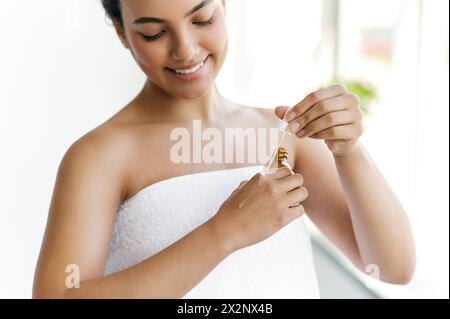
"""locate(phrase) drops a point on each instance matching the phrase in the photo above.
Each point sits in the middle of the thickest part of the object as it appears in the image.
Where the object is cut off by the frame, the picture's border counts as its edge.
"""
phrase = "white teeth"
(190, 71)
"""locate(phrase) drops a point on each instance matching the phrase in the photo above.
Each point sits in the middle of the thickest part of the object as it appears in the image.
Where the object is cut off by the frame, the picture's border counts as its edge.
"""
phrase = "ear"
(121, 34)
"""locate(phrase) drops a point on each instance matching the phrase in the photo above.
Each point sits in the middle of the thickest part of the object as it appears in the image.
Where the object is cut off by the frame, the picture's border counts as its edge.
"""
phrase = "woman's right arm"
(171, 273)
(89, 189)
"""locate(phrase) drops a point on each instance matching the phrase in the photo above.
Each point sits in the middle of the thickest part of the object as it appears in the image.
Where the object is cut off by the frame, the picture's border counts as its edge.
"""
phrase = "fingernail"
(294, 127)
(301, 133)
(291, 116)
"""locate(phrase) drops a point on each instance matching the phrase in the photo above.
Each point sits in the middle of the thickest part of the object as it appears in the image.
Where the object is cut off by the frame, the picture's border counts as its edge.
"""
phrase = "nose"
(185, 48)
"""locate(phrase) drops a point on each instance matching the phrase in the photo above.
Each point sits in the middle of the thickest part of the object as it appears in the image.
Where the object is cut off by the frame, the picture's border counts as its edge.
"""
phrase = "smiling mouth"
(191, 70)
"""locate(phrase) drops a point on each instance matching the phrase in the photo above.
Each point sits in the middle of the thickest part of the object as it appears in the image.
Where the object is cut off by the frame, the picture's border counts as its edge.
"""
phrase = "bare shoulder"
(264, 114)
(307, 148)
(309, 154)
(314, 157)
(268, 114)
(101, 141)
(257, 116)
(98, 157)
(299, 149)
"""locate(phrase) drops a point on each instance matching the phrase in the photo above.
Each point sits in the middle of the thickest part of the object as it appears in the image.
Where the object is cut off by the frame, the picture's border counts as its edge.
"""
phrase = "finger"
(280, 111)
(292, 182)
(242, 184)
(257, 179)
(340, 132)
(293, 213)
(280, 173)
(336, 104)
(326, 122)
(296, 196)
(313, 98)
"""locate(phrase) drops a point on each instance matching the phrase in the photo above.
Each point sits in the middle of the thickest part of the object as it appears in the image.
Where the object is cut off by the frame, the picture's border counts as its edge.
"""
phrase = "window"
(399, 47)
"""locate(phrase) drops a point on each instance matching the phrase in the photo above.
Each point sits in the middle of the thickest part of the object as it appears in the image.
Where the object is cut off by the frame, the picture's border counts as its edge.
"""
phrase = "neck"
(165, 107)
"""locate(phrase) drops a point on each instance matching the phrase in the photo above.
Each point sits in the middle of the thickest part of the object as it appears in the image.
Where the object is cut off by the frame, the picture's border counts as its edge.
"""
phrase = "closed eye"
(152, 37)
(157, 36)
(203, 23)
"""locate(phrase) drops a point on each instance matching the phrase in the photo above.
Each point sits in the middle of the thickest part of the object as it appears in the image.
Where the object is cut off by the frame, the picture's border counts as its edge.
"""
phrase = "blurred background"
(63, 71)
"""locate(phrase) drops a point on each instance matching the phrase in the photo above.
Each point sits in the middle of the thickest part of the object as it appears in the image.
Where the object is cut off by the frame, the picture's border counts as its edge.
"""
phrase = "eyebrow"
(158, 20)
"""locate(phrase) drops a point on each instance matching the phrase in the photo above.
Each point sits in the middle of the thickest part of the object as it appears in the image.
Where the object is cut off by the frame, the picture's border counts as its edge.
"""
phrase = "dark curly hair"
(112, 8)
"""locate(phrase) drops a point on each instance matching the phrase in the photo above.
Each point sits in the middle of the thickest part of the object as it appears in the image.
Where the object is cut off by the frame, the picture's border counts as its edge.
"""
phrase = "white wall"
(407, 132)
(62, 72)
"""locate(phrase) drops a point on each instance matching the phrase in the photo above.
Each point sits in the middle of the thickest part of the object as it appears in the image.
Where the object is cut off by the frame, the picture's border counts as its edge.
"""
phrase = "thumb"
(242, 184)
(280, 111)
(257, 179)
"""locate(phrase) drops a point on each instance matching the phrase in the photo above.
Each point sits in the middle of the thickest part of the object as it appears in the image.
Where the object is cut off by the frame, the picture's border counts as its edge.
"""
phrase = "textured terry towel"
(162, 213)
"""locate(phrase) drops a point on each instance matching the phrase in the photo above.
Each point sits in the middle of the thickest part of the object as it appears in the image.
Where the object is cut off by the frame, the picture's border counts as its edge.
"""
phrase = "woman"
(127, 221)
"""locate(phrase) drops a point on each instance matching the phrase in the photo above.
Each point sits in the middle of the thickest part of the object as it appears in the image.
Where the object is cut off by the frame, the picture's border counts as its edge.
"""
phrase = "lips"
(188, 67)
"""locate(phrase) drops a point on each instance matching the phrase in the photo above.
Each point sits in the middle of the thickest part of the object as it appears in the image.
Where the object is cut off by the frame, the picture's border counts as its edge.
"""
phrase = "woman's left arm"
(374, 217)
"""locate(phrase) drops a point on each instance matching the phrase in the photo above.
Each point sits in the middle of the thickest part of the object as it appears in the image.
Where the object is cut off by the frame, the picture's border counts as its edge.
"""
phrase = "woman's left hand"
(331, 114)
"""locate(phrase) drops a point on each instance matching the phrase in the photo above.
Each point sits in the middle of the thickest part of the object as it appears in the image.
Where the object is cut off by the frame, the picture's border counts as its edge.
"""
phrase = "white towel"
(162, 213)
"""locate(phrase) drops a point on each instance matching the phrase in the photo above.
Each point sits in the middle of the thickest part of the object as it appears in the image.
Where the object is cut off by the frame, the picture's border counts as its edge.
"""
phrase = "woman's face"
(165, 36)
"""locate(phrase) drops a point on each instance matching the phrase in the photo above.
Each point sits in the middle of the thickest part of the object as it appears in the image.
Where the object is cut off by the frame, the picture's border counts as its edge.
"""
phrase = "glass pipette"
(283, 127)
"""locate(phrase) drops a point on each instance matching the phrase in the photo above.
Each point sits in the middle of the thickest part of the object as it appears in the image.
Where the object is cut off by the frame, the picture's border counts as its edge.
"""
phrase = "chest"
(177, 151)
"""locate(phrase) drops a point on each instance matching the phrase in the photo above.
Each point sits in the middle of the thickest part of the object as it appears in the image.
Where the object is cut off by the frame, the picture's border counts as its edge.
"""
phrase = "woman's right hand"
(260, 207)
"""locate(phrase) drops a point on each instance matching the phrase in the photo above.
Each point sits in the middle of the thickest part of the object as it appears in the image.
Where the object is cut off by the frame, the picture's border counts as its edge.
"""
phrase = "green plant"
(363, 89)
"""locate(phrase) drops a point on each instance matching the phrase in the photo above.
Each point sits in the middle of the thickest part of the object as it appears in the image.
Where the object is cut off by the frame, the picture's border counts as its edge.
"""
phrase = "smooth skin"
(333, 178)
